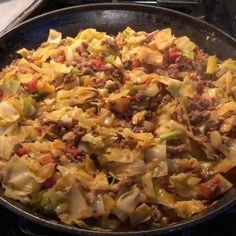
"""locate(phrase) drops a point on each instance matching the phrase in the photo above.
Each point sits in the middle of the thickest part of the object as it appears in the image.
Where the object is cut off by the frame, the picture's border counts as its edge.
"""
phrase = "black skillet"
(113, 18)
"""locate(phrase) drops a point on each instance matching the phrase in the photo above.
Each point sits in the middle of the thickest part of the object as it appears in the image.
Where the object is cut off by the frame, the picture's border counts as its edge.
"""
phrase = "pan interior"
(113, 18)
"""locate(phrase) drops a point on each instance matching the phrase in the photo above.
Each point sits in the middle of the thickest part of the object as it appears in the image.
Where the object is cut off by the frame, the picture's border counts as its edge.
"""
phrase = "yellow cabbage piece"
(229, 64)
(54, 36)
(185, 185)
(6, 146)
(148, 185)
(76, 96)
(8, 113)
(119, 170)
(142, 139)
(123, 155)
(211, 65)
(141, 214)
(163, 38)
(186, 46)
(224, 110)
(165, 198)
(225, 82)
(23, 176)
(97, 142)
(186, 209)
(128, 201)
(146, 56)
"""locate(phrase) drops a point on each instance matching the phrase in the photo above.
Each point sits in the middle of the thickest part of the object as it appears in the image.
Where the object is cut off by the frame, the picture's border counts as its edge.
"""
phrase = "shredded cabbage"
(108, 132)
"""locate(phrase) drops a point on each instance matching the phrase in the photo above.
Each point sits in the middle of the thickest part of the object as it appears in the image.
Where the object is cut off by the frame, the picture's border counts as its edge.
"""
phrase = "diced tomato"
(32, 85)
(47, 159)
(125, 79)
(136, 64)
(71, 150)
(97, 63)
(50, 182)
(173, 54)
(209, 188)
(40, 129)
(76, 186)
(215, 180)
(22, 151)
(197, 96)
(60, 59)
(206, 191)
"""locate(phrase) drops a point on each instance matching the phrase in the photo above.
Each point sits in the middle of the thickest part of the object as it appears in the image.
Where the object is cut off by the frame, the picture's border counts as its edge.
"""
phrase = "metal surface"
(113, 18)
(24, 15)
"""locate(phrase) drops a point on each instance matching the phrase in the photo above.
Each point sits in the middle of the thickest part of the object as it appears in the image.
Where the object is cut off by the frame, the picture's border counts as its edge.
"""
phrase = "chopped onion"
(97, 207)
(128, 201)
(157, 160)
(148, 185)
(140, 214)
(79, 208)
(120, 214)
(118, 63)
(158, 152)
(215, 139)
(228, 124)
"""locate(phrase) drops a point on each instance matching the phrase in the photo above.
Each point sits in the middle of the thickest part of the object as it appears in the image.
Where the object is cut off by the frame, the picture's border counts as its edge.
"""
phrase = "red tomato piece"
(47, 159)
(136, 64)
(39, 129)
(209, 188)
(173, 55)
(50, 182)
(197, 96)
(97, 63)
(60, 59)
(206, 191)
(22, 151)
(32, 85)
(125, 79)
(71, 150)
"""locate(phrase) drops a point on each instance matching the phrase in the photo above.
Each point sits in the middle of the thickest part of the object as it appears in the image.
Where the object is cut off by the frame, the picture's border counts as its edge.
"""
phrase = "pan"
(113, 18)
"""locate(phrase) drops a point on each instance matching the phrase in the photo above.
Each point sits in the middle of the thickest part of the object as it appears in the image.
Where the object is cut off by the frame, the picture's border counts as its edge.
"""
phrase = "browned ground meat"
(117, 132)
(197, 117)
(173, 150)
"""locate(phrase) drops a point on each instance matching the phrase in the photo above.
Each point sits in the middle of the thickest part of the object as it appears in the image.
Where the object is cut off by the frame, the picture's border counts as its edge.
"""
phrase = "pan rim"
(116, 6)
(75, 230)
(87, 232)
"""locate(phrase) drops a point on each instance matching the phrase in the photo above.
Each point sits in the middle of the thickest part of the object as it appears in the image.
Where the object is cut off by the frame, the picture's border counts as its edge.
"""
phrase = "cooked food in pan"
(117, 132)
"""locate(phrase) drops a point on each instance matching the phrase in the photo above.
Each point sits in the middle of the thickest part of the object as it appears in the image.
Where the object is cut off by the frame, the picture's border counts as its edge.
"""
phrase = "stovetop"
(221, 13)
(214, 12)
